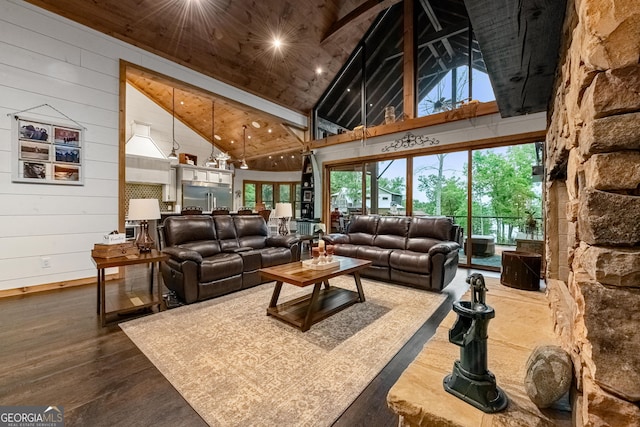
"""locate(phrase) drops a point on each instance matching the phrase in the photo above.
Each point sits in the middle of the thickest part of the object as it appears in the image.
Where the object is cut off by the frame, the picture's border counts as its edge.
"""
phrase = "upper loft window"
(351, 101)
(450, 69)
(341, 109)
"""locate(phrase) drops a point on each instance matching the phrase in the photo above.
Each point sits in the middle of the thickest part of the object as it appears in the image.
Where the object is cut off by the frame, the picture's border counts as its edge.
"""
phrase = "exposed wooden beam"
(484, 108)
(366, 10)
(436, 37)
(409, 71)
(295, 132)
(520, 43)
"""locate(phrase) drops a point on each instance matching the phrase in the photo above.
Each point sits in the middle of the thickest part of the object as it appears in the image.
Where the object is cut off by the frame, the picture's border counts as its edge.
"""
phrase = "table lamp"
(144, 210)
(283, 212)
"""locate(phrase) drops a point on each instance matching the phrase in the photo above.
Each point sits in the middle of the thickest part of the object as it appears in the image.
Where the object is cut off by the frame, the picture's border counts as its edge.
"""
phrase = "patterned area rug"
(236, 366)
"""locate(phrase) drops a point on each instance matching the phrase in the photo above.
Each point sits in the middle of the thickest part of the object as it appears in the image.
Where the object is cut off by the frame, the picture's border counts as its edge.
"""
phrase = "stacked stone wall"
(593, 143)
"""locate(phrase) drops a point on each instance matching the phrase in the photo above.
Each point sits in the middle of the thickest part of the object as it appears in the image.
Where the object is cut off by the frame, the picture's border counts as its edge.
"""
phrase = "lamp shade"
(143, 209)
(283, 210)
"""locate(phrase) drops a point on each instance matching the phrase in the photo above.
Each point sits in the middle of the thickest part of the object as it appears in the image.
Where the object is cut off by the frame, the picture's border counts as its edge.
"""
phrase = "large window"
(386, 187)
(376, 64)
(270, 193)
(449, 69)
(440, 185)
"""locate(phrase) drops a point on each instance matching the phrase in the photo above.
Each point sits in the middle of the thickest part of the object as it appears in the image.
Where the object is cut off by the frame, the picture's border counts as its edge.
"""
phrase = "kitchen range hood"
(140, 143)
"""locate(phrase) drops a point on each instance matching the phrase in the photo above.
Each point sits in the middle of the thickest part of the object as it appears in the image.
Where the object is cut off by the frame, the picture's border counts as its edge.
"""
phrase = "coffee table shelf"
(330, 301)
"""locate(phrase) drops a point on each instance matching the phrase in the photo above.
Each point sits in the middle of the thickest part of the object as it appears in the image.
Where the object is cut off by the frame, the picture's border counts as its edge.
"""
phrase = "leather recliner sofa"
(420, 252)
(215, 255)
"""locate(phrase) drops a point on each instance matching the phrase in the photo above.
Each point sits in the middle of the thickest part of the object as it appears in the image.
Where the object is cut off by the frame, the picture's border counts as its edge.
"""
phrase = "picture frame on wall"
(307, 196)
(46, 152)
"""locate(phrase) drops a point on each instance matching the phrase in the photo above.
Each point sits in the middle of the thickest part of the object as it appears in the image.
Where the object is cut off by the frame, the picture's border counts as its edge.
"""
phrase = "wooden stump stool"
(521, 270)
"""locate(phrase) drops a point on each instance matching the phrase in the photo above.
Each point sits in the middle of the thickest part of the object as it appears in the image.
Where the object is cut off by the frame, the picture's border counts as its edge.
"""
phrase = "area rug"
(236, 366)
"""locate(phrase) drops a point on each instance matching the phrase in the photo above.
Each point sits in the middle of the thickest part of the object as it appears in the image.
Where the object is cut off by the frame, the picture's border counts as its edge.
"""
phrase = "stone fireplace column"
(593, 150)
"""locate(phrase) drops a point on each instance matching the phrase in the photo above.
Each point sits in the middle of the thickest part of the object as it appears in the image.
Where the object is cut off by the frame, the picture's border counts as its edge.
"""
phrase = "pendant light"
(212, 162)
(174, 143)
(243, 164)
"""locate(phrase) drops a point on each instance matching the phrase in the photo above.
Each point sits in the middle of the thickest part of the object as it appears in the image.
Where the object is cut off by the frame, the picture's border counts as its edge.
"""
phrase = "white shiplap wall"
(45, 58)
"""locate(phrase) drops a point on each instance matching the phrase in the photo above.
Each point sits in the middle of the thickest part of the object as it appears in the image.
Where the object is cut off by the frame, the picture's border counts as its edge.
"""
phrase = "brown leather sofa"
(216, 255)
(421, 252)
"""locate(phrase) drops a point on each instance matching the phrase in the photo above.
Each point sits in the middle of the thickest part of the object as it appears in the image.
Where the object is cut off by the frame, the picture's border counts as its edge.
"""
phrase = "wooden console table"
(129, 301)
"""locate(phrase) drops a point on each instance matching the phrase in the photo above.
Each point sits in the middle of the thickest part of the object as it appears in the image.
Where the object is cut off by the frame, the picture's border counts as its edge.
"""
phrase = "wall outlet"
(45, 262)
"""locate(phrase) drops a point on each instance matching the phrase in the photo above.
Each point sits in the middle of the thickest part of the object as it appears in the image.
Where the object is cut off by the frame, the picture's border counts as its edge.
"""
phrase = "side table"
(137, 301)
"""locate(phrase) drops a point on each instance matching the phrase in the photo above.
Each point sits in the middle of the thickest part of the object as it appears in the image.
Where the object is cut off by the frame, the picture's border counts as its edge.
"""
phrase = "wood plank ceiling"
(231, 40)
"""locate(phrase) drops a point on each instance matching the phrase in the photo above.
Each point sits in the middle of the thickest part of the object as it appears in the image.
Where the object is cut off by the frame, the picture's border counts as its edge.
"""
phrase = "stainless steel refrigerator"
(206, 195)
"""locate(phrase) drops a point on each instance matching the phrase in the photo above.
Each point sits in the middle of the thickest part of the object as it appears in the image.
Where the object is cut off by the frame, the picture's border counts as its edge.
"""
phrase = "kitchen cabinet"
(169, 190)
(193, 174)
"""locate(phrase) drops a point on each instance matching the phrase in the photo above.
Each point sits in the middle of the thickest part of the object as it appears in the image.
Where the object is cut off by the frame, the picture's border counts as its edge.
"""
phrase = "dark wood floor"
(54, 352)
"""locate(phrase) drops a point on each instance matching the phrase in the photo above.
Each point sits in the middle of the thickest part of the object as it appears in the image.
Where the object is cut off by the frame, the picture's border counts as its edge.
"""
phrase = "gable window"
(449, 69)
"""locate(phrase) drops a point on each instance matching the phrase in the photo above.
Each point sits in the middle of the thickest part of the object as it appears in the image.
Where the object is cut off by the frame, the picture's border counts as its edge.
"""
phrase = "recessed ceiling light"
(249, 136)
(293, 157)
(277, 43)
(217, 137)
(348, 90)
(255, 125)
(370, 105)
(269, 130)
(181, 102)
(269, 156)
(282, 157)
(232, 141)
(318, 70)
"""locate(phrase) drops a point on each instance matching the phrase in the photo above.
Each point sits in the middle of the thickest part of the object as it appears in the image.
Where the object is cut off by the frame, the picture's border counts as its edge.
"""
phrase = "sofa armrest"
(282, 241)
(443, 248)
(332, 239)
(180, 254)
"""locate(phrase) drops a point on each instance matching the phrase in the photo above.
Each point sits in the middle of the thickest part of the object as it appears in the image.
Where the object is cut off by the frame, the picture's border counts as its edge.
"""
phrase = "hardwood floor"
(53, 351)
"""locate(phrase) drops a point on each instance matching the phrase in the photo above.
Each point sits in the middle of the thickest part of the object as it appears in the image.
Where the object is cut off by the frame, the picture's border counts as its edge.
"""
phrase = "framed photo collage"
(47, 153)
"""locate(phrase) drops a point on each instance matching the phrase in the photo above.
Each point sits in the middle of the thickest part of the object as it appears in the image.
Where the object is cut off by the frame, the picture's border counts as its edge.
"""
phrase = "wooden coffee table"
(307, 310)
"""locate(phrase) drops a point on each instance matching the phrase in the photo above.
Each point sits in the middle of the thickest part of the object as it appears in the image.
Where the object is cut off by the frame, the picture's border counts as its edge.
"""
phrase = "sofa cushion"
(220, 266)
(424, 232)
(439, 228)
(378, 256)
(205, 248)
(252, 259)
(181, 229)
(362, 229)
(226, 232)
(414, 262)
(346, 249)
(252, 231)
(275, 256)
(392, 232)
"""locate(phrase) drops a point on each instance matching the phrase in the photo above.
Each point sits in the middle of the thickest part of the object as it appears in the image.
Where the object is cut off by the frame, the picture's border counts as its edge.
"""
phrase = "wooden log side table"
(129, 302)
(521, 270)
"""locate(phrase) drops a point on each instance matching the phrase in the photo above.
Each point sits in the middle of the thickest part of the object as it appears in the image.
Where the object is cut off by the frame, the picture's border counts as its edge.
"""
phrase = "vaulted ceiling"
(232, 41)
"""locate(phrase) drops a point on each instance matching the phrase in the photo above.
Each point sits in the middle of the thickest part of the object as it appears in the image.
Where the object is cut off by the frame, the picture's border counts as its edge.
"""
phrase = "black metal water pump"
(470, 380)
